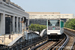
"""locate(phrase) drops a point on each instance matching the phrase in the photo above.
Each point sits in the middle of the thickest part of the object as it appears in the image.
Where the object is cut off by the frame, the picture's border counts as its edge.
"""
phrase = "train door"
(7, 25)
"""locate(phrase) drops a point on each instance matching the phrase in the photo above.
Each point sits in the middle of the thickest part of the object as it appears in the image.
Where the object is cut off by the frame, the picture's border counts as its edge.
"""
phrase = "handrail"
(10, 44)
(69, 29)
(41, 34)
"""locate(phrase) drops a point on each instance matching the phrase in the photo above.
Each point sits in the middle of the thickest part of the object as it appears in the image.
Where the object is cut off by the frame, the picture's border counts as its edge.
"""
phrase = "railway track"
(71, 43)
(58, 44)
(45, 46)
(35, 44)
(51, 45)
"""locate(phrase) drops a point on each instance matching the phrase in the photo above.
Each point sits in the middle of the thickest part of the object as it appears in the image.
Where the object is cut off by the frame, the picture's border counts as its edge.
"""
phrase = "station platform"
(7, 39)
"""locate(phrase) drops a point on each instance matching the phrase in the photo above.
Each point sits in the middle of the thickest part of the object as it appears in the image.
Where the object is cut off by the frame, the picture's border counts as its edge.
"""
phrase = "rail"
(64, 44)
(38, 45)
(51, 46)
(71, 32)
(58, 44)
(73, 44)
(55, 45)
(61, 45)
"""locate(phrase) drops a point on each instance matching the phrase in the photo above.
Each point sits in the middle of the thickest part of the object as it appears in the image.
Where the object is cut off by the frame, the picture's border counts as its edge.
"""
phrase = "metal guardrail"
(64, 44)
(73, 44)
(70, 33)
(42, 32)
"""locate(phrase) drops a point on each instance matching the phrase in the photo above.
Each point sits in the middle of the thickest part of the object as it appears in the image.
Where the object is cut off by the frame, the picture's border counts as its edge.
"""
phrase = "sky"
(62, 6)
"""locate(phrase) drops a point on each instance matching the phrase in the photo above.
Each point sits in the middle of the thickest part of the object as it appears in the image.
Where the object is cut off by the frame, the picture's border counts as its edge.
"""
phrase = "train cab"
(55, 27)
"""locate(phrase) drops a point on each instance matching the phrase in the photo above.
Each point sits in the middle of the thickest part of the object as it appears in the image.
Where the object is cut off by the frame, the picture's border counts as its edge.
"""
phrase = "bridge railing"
(71, 30)
(43, 32)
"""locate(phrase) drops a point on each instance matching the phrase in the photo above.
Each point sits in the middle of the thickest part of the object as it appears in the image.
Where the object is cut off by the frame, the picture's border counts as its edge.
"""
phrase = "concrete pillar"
(20, 25)
(17, 24)
(13, 24)
(3, 23)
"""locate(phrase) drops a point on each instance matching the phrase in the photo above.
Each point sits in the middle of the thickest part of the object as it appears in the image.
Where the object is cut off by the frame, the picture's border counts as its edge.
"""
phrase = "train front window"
(53, 22)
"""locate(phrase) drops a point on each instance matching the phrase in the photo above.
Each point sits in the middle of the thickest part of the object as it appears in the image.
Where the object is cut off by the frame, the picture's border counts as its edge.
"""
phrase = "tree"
(37, 27)
(70, 24)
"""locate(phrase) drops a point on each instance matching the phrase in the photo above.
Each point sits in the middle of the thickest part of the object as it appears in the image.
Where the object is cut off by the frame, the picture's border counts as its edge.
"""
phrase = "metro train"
(55, 28)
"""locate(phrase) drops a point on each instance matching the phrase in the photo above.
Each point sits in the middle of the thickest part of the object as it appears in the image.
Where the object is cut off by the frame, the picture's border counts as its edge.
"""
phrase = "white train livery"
(55, 27)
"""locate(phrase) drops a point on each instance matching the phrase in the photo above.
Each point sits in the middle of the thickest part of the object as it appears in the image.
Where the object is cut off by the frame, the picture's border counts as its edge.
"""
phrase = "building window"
(4, 0)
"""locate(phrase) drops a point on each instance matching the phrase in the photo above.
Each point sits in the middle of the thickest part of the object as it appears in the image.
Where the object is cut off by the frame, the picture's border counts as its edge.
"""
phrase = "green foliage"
(70, 24)
(37, 27)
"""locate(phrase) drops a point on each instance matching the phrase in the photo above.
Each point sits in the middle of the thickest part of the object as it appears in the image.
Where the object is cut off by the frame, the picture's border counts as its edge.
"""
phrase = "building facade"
(41, 17)
(11, 17)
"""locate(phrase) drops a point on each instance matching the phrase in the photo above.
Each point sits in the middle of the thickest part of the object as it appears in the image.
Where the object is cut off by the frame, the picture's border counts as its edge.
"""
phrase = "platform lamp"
(23, 26)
